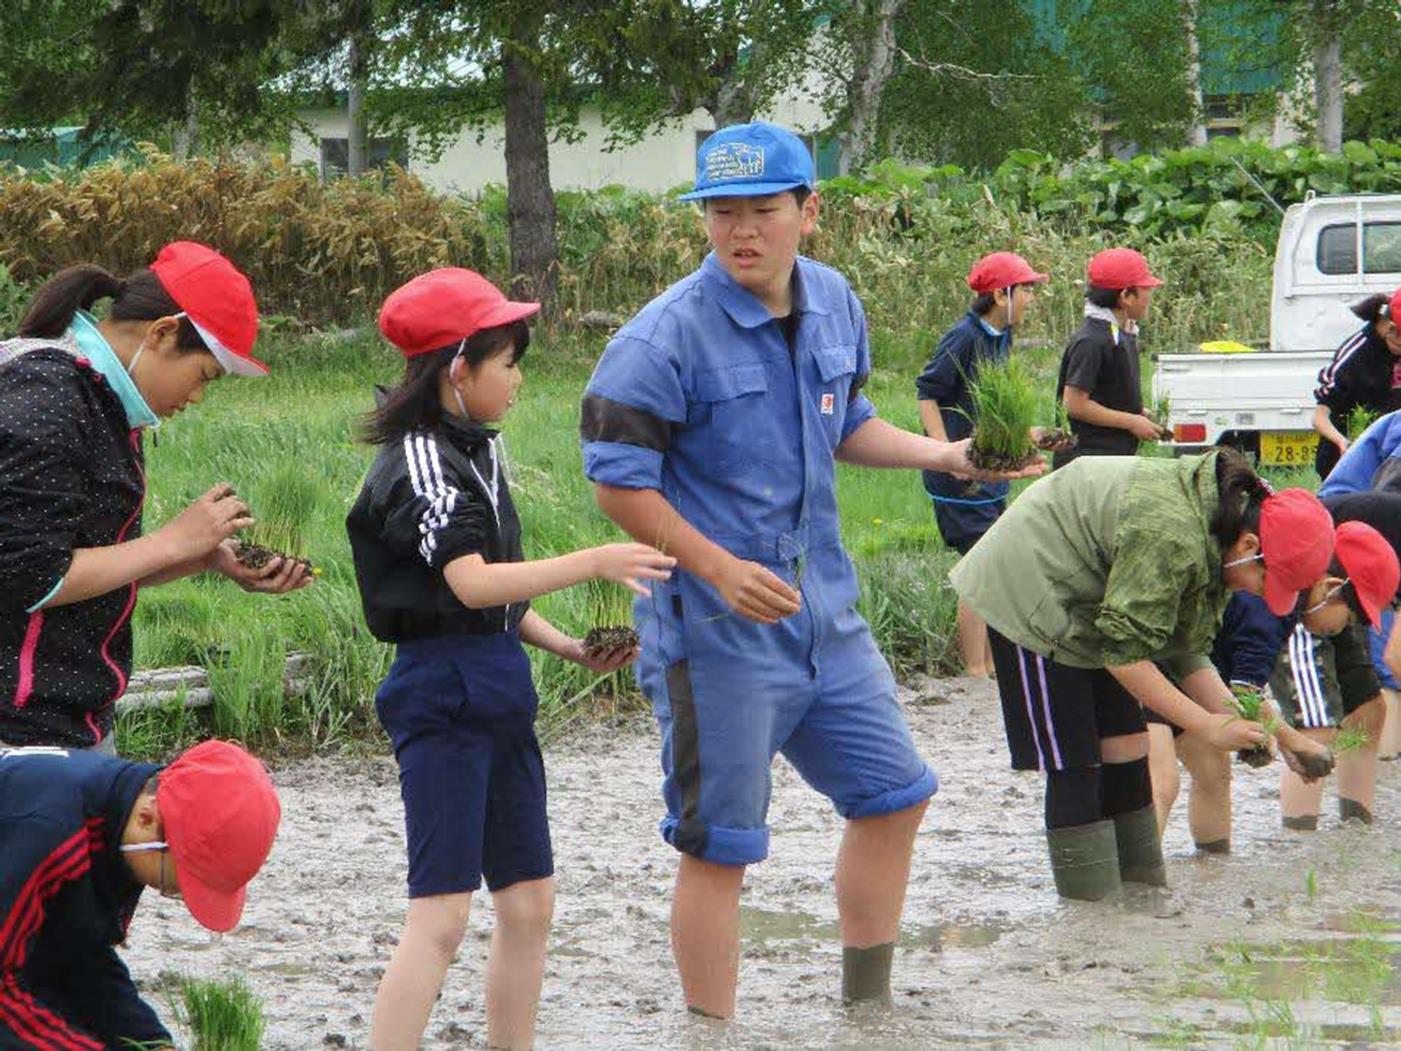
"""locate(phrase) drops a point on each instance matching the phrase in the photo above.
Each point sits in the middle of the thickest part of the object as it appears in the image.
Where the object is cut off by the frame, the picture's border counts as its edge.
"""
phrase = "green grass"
(220, 1016)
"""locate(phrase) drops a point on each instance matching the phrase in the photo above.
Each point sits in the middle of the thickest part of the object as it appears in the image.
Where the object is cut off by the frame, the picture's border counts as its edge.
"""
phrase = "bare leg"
(1390, 745)
(705, 934)
(1300, 800)
(1209, 803)
(1357, 770)
(873, 871)
(516, 966)
(973, 642)
(432, 933)
(1163, 769)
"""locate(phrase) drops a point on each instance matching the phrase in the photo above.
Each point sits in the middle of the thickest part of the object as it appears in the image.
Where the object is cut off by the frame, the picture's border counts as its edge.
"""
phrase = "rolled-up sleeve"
(42, 491)
(632, 405)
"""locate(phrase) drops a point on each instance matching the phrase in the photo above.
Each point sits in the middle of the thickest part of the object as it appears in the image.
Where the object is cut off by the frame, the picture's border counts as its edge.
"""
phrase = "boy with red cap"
(438, 558)
(76, 396)
(84, 834)
(1365, 374)
(1003, 284)
(1094, 578)
(1099, 381)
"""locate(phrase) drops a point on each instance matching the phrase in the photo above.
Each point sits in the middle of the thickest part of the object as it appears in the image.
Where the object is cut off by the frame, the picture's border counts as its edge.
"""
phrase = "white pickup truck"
(1332, 252)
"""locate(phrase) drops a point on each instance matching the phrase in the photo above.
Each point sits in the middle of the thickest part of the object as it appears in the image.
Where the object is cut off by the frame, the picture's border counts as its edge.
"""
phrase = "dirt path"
(988, 957)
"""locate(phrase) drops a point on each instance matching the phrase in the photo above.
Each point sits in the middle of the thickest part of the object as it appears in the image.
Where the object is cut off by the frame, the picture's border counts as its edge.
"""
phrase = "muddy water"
(988, 957)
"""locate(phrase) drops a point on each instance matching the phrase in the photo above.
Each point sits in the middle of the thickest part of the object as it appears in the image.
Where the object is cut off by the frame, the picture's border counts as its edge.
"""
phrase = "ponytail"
(1371, 308)
(138, 297)
(1243, 493)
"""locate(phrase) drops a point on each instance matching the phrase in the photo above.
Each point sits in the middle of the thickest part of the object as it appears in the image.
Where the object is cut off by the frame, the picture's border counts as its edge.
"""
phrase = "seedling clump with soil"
(1249, 703)
(282, 505)
(1005, 401)
(609, 640)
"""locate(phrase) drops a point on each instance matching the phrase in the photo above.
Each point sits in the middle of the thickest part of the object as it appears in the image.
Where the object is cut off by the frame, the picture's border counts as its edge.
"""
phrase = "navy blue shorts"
(460, 711)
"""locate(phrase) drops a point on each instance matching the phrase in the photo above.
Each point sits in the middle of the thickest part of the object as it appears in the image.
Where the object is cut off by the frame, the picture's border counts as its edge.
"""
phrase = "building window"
(335, 155)
(1381, 248)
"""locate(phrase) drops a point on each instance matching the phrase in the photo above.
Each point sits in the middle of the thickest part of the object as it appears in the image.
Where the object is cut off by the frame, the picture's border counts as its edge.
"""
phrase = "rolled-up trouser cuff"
(723, 846)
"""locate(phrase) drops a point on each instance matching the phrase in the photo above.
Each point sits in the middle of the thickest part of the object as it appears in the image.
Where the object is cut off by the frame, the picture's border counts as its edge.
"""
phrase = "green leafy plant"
(1359, 420)
(1005, 406)
(220, 1016)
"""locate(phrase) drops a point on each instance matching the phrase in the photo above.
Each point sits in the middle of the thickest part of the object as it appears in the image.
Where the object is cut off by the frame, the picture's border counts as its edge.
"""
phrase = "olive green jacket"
(1107, 561)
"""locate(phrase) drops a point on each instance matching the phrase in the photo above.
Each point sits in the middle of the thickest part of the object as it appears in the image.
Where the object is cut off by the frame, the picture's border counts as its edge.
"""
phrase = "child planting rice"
(1094, 577)
(1363, 379)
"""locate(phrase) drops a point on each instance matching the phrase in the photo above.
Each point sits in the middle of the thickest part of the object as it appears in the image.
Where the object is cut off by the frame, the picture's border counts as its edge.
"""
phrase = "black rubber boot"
(866, 974)
(1140, 851)
(1085, 860)
(1352, 810)
(1302, 823)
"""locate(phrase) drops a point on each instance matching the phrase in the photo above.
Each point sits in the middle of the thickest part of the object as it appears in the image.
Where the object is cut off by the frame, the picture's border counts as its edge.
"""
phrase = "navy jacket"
(66, 898)
(1250, 640)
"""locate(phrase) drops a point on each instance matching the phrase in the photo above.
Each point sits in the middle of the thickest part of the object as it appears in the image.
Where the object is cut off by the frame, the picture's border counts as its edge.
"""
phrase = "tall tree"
(1196, 127)
(861, 41)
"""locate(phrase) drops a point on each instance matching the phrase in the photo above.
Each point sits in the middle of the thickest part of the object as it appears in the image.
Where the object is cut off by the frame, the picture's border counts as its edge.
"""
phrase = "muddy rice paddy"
(1288, 940)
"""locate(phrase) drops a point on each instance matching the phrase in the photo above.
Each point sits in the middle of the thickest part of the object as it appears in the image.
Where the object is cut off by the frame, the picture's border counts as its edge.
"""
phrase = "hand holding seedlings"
(273, 575)
(605, 650)
(1053, 439)
(215, 517)
(1249, 705)
(630, 564)
(1144, 428)
(755, 593)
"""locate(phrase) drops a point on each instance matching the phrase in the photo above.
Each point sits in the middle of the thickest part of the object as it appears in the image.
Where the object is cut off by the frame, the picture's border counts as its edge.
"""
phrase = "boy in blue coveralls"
(81, 836)
(1003, 286)
(710, 428)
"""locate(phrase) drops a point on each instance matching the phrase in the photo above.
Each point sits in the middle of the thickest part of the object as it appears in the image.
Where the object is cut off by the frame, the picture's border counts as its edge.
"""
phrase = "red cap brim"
(1147, 282)
(214, 909)
(1281, 598)
(508, 312)
(1373, 611)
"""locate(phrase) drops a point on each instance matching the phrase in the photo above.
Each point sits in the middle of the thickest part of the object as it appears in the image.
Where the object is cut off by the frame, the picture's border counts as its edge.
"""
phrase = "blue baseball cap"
(751, 160)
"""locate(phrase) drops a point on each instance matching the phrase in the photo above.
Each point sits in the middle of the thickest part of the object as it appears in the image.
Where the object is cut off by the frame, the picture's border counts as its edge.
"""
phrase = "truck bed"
(1246, 392)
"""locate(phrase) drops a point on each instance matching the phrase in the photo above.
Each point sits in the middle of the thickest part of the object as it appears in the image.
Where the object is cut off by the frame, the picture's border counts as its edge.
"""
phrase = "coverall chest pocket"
(836, 368)
(733, 411)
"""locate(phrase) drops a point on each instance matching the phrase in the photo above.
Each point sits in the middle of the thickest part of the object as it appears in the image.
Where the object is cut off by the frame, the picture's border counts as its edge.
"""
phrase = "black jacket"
(1106, 368)
(427, 500)
(71, 476)
(66, 899)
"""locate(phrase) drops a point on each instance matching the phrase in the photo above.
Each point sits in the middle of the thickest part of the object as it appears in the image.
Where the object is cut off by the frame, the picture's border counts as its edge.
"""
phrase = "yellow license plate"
(1287, 448)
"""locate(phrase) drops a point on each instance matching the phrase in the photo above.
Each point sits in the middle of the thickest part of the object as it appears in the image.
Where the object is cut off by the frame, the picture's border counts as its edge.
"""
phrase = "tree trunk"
(530, 201)
(184, 139)
(1196, 131)
(1328, 79)
(734, 102)
(873, 57)
(357, 133)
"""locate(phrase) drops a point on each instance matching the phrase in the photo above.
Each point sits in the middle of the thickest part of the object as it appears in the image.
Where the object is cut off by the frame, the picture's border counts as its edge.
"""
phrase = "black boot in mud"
(866, 974)
(1301, 822)
(1085, 860)
(1140, 850)
(1352, 810)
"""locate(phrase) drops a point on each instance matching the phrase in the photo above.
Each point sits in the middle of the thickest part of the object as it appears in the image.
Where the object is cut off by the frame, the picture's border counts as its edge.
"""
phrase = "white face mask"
(1326, 599)
(1240, 561)
(131, 365)
(455, 392)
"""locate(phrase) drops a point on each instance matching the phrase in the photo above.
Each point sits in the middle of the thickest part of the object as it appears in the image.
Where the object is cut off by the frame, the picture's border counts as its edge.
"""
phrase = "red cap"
(1393, 308)
(1119, 268)
(1002, 270)
(1296, 543)
(217, 299)
(443, 307)
(1371, 566)
(220, 814)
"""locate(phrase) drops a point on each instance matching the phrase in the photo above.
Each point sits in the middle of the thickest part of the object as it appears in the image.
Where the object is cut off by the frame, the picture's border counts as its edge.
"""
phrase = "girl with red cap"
(437, 547)
(1365, 373)
(76, 396)
(1099, 375)
(1003, 284)
(1098, 578)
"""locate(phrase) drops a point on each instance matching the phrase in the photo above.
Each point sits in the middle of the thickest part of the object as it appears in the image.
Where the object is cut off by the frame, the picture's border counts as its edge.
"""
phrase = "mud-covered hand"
(1310, 760)
(600, 662)
(277, 576)
(956, 463)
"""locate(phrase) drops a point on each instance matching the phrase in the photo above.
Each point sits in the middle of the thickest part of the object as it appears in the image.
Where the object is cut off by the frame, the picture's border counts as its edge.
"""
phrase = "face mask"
(131, 365)
(1240, 561)
(1326, 599)
(455, 392)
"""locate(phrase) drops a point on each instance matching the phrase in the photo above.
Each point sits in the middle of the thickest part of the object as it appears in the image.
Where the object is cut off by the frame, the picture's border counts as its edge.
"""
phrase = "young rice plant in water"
(220, 1016)
(1005, 400)
(1249, 703)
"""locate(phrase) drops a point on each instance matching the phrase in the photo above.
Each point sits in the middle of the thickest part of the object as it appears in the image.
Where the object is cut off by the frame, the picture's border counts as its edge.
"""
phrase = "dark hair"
(982, 303)
(1349, 591)
(414, 402)
(1104, 297)
(1242, 493)
(1370, 309)
(136, 297)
